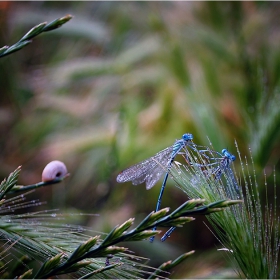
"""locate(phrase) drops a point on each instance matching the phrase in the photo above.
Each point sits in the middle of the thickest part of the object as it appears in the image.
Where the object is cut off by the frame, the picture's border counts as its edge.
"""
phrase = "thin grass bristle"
(249, 232)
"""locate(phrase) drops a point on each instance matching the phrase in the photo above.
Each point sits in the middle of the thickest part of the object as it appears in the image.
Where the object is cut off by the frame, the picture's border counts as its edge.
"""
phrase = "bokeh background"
(123, 80)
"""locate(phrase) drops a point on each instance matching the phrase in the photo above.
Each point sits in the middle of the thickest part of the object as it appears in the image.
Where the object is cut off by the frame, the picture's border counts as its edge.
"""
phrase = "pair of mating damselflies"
(151, 169)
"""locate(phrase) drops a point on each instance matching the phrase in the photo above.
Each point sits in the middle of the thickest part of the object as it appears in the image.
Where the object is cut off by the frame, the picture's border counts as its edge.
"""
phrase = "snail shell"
(54, 170)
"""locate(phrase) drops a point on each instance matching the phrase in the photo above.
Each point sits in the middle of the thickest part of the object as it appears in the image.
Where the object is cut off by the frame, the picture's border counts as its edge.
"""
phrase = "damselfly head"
(227, 154)
(187, 136)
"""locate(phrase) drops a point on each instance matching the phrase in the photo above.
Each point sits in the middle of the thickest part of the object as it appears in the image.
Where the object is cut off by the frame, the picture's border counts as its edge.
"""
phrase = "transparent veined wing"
(149, 170)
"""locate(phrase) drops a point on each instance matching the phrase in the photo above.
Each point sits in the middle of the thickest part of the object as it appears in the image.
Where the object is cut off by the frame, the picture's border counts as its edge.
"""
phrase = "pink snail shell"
(54, 170)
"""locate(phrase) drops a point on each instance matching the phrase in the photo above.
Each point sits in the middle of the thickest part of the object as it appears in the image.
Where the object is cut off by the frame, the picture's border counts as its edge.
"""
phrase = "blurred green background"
(123, 80)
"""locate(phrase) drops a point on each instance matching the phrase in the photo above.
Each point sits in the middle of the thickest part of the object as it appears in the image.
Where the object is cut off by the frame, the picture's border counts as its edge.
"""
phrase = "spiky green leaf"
(83, 248)
(145, 234)
(49, 265)
(8, 183)
(76, 266)
(26, 275)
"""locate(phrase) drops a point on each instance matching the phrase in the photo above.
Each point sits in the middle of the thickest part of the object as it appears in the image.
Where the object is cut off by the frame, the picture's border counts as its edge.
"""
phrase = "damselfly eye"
(228, 154)
(224, 152)
(187, 136)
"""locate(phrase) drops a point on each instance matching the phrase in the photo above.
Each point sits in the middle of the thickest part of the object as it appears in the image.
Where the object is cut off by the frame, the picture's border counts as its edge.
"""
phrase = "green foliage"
(249, 236)
(35, 31)
(171, 264)
(51, 244)
(58, 249)
(7, 185)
